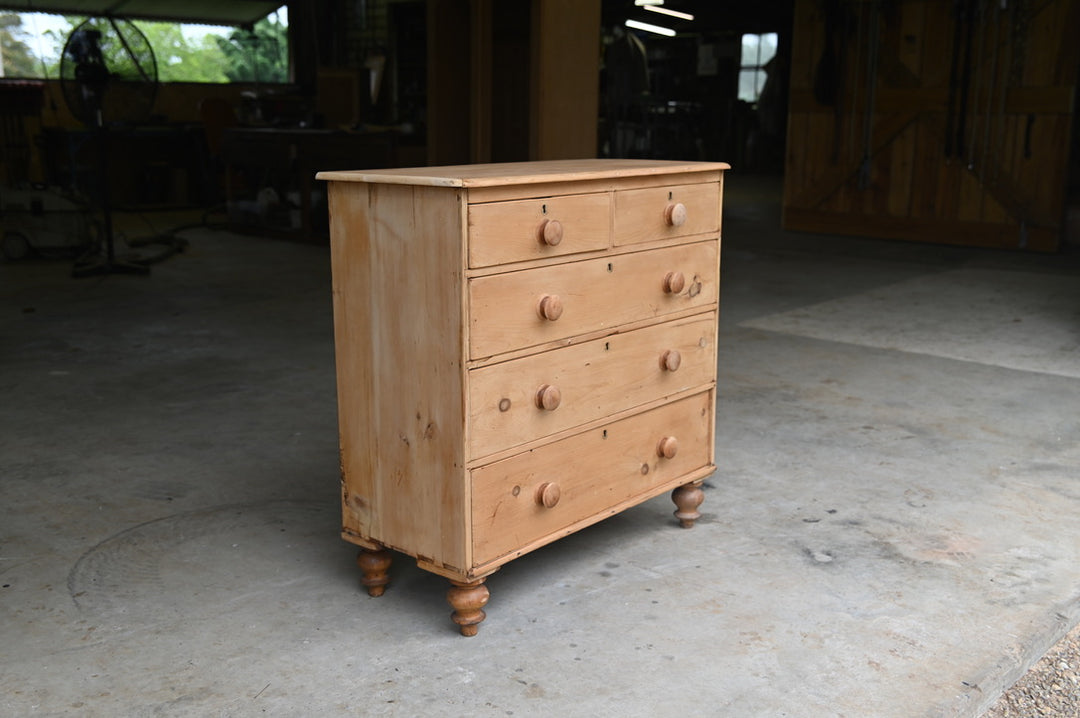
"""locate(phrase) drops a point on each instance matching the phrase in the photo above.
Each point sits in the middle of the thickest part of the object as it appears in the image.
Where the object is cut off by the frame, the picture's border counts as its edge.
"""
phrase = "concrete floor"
(893, 530)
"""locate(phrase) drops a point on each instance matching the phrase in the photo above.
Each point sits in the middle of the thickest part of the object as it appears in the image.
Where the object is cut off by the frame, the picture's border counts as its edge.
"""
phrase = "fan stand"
(107, 264)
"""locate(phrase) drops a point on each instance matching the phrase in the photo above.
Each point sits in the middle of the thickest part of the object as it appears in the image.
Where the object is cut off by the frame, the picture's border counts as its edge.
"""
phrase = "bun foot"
(468, 601)
(376, 567)
(687, 498)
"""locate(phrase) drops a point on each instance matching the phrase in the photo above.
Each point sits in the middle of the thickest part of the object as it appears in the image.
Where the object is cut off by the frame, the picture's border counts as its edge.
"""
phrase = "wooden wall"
(511, 80)
(956, 130)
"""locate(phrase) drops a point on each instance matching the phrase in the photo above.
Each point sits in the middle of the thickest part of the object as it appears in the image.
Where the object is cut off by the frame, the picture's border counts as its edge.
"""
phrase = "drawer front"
(538, 395)
(503, 232)
(588, 474)
(645, 215)
(531, 307)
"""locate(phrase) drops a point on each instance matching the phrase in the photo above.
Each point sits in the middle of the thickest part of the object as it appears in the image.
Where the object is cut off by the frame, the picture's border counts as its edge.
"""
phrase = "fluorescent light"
(666, 31)
(665, 11)
(641, 3)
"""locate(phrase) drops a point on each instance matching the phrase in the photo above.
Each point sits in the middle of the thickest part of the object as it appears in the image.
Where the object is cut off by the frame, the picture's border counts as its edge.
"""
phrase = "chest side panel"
(397, 253)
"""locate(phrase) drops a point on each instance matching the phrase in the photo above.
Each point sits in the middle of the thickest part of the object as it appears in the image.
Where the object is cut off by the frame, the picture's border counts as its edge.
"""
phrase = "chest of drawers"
(522, 350)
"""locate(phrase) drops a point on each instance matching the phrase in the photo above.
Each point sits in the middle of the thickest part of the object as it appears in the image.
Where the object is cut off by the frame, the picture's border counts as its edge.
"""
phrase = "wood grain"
(523, 173)
(595, 293)
(595, 470)
(397, 262)
(595, 379)
(640, 214)
(502, 232)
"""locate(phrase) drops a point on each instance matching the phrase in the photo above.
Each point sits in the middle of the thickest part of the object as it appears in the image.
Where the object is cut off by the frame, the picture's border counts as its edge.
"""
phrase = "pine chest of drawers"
(522, 350)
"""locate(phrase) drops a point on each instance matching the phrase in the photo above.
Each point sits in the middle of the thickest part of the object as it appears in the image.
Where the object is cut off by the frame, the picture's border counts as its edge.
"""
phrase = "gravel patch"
(1050, 689)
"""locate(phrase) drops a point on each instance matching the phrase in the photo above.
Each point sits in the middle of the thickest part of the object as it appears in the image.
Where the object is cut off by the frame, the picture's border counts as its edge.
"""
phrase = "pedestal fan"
(108, 75)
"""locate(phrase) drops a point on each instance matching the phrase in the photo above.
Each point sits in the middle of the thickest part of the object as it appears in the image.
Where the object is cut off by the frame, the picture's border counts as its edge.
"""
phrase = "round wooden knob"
(670, 360)
(550, 307)
(668, 447)
(674, 282)
(675, 214)
(548, 397)
(548, 494)
(551, 232)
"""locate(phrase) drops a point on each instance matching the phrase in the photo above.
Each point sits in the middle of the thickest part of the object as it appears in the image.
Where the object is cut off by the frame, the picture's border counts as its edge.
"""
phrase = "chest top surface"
(488, 175)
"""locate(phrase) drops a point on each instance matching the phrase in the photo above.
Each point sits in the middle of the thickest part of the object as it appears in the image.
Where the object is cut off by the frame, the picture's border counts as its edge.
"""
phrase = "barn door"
(932, 120)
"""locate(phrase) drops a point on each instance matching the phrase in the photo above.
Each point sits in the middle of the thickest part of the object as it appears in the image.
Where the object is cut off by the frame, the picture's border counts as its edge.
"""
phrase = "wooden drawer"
(645, 215)
(505, 310)
(593, 471)
(504, 232)
(590, 381)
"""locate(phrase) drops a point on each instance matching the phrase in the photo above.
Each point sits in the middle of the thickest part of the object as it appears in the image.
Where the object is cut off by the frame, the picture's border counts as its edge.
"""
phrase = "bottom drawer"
(536, 494)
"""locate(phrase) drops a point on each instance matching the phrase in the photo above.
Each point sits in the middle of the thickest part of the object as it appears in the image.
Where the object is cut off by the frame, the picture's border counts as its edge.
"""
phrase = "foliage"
(180, 60)
(261, 55)
(16, 59)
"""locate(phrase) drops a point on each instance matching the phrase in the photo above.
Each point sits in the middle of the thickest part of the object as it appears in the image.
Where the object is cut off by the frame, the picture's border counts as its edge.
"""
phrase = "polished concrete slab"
(893, 529)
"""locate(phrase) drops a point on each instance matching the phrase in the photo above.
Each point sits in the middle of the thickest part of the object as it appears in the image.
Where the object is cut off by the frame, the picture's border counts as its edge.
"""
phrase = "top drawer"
(503, 232)
(645, 215)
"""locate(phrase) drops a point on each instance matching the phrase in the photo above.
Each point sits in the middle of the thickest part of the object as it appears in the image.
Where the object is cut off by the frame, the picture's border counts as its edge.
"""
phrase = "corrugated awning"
(208, 12)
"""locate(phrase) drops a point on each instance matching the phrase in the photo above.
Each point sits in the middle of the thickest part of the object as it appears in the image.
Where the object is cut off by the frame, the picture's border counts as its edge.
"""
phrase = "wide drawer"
(538, 395)
(645, 215)
(585, 475)
(504, 232)
(531, 307)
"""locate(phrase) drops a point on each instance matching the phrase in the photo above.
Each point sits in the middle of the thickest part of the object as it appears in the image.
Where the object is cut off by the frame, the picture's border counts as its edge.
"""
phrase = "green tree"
(179, 60)
(16, 59)
(258, 55)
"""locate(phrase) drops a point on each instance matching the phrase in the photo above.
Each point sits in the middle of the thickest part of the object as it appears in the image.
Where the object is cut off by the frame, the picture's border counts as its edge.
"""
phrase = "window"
(31, 43)
(757, 50)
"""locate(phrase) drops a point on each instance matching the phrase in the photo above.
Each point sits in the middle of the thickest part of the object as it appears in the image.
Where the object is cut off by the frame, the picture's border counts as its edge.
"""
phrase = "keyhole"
(605, 433)
(670, 195)
(543, 208)
(609, 266)
(607, 346)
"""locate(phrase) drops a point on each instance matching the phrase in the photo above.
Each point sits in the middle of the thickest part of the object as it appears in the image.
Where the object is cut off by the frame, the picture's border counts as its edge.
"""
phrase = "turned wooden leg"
(375, 565)
(468, 600)
(687, 498)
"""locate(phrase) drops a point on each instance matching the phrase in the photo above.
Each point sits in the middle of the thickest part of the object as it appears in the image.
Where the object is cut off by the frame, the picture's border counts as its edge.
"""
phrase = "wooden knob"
(674, 282)
(668, 447)
(548, 397)
(550, 307)
(548, 494)
(551, 232)
(675, 214)
(670, 360)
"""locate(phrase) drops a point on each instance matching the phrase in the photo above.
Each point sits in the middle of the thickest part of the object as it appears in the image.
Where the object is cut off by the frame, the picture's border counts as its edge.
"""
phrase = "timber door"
(932, 120)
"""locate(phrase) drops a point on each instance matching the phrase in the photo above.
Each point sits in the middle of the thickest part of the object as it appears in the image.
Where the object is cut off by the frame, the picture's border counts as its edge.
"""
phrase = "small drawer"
(540, 493)
(527, 308)
(541, 394)
(504, 232)
(646, 215)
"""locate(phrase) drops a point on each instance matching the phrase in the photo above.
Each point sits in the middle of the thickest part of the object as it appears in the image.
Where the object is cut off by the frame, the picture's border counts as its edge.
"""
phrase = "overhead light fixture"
(665, 31)
(644, 3)
(665, 11)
